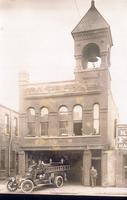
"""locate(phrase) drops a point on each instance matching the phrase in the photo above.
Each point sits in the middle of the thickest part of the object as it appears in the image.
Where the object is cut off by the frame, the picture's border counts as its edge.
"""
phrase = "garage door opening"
(73, 158)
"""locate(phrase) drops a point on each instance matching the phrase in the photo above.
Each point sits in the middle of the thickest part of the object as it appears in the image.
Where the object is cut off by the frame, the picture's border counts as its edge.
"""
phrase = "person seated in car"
(39, 166)
(50, 161)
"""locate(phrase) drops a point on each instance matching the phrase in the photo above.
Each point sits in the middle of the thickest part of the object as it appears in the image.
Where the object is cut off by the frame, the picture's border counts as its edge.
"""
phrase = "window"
(31, 128)
(44, 112)
(15, 126)
(44, 128)
(77, 120)
(3, 159)
(12, 160)
(44, 121)
(31, 111)
(63, 120)
(96, 119)
(31, 121)
(7, 124)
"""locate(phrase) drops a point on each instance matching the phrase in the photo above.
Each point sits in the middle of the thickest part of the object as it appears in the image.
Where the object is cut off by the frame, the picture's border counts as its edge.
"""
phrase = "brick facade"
(91, 137)
(9, 141)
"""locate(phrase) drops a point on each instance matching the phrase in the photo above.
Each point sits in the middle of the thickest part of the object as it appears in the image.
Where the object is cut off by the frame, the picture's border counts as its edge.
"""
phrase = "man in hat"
(93, 176)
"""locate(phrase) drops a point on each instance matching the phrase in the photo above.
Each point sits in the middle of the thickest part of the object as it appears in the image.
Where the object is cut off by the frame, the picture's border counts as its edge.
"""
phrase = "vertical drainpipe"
(9, 146)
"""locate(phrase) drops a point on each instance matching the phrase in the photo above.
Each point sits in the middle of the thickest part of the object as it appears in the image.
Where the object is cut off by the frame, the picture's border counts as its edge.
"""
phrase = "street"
(72, 189)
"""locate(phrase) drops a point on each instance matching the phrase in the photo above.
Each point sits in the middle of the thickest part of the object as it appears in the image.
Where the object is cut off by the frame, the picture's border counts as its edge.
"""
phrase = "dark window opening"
(78, 128)
(13, 160)
(15, 127)
(125, 173)
(3, 159)
(96, 153)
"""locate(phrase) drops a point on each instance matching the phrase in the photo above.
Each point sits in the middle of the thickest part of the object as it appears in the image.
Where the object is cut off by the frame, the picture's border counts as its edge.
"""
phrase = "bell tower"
(93, 42)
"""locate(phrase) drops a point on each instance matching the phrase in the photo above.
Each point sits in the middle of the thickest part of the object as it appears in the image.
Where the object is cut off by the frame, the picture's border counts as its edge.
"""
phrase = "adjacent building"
(9, 141)
(121, 155)
(74, 120)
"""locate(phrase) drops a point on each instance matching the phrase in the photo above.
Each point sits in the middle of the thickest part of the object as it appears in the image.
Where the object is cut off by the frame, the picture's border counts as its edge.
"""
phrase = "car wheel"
(12, 187)
(58, 181)
(27, 186)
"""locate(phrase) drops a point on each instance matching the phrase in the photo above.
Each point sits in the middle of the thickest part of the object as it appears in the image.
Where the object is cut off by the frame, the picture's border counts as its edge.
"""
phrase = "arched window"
(7, 124)
(44, 121)
(96, 119)
(31, 121)
(77, 120)
(15, 126)
(63, 120)
(31, 111)
(44, 112)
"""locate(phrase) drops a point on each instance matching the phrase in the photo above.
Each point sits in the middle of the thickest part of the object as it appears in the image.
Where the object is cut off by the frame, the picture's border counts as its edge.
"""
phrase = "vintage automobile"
(14, 183)
(49, 174)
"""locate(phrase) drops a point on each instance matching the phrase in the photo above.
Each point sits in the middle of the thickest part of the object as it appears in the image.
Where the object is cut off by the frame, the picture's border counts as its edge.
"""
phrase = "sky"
(35, 36)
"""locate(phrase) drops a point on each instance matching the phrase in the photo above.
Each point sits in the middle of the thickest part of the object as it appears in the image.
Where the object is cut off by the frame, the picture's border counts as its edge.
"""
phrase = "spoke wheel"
(58, 181)
(12, 186)
(27, 186)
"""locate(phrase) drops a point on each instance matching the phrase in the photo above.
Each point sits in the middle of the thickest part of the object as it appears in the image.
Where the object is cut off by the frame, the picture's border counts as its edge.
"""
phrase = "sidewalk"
(72, 189)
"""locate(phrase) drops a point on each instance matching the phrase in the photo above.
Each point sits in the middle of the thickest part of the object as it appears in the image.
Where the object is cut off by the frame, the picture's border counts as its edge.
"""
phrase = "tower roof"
(92, 20)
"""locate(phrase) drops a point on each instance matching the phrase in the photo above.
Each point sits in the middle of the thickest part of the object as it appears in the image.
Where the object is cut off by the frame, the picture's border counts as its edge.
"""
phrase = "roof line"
(92, 7)
(3, 106)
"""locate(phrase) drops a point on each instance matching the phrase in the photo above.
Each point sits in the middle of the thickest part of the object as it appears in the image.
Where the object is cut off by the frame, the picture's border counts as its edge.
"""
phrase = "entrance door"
(125, 168)
(97, 164)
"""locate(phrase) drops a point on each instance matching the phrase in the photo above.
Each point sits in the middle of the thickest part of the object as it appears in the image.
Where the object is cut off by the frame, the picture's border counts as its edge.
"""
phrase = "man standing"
(93, 176)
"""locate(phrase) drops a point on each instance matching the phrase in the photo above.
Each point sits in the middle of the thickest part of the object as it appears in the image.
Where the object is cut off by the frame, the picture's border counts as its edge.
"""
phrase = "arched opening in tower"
(91, 56)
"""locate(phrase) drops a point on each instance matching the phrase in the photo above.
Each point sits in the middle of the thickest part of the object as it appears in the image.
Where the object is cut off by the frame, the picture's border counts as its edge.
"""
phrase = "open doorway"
(97, 164)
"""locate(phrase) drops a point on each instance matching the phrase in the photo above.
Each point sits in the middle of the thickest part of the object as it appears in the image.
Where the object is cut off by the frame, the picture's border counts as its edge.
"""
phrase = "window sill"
(62, 136)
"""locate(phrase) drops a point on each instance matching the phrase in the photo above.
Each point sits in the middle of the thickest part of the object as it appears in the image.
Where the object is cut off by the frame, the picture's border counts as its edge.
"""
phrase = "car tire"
(11, 186)
(58, 181)
(27, 186)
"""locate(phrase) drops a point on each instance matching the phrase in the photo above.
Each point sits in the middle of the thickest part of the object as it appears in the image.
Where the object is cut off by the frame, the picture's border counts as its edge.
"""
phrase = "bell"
(92, 59)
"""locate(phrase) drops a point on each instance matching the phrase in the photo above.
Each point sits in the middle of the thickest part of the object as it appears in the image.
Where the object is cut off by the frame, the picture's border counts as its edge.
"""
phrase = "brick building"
(74, 120)
(121, 155)
(9, 141)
